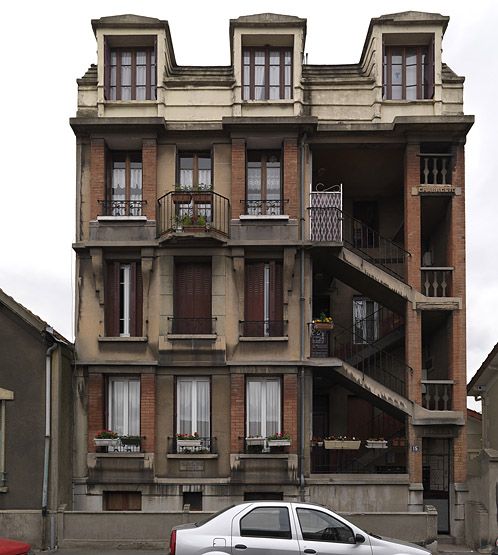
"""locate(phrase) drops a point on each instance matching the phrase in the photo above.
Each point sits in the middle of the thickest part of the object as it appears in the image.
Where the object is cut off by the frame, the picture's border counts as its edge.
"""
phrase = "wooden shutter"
(107, 70)
(276, 299)
(136, 297)
(192, 297)
(112, 299)
(430, 69)
(254, 299)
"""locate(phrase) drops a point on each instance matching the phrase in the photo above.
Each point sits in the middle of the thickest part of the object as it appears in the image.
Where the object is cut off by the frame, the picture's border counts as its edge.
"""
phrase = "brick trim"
(97, 175)
(290, 412)
(237, 413)
(148, 412)
(149, 177)
(290, 185)
(238, 176)
(96, 404)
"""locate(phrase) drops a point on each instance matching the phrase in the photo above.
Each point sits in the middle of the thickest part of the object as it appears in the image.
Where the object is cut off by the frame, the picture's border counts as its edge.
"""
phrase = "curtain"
(203, 408)
(124, 411)
(272, 407)
(193, 406)
(184, 423)
(254, 407)
(263, 406)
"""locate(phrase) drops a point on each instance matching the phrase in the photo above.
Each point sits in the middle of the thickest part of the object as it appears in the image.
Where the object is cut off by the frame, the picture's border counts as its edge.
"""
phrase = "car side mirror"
(359, 538)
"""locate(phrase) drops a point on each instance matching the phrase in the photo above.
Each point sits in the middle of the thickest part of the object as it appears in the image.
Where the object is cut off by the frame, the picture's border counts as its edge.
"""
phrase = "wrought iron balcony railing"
(437, 394)
(264, 207)
(193, 211)
(437, 281)
(263, 328)
(435, 169)
(192, 326)
(122, 207)
(197, 446)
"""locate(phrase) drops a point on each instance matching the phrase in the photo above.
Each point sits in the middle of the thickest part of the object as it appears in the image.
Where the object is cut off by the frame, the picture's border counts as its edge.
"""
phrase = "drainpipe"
(48, 422)
(302, 330)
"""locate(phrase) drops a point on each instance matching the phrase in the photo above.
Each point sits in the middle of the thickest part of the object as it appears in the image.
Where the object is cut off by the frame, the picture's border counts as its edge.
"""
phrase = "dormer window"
(131, 74)
(408, 72)
(267, 73)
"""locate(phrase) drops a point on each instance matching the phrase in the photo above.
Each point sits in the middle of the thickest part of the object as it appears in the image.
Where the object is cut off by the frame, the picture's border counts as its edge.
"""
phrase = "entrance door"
(436, 479)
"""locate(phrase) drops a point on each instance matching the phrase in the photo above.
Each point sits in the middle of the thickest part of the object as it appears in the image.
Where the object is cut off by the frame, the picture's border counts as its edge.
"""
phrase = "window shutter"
(276, 299)
(431, 70)
(254, 299)
(107, 70)
(136, 298)
(202, 297)
(112, 300)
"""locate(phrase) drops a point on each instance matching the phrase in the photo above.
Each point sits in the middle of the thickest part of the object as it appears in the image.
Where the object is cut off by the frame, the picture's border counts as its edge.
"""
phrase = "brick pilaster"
(96, 421)
(412, 216)
(291, 166)
(290, 409)
(148, 412)
(238, 176)
(97, 176)
(149, 177)
(237, 413)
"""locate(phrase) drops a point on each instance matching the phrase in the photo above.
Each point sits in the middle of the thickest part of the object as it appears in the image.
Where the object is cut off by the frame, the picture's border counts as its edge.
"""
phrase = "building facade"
(224, 216)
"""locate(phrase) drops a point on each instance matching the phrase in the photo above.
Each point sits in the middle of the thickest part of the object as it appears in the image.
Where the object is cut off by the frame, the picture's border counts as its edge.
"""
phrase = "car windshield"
(210, 517)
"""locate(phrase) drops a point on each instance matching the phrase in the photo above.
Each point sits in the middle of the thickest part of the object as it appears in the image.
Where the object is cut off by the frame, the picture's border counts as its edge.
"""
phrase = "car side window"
(320, 526)
(266, 522)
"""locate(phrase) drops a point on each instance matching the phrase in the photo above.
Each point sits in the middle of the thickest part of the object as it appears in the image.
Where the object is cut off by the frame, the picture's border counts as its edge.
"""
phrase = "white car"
(277, 527)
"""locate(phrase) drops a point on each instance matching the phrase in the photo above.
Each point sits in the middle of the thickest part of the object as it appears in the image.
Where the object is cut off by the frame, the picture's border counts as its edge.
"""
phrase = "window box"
(376, 444)
(279, 442)
(323, 326)
(131, 441)
(188, 443)
(342, 443)
(255, 441)
(104, 442)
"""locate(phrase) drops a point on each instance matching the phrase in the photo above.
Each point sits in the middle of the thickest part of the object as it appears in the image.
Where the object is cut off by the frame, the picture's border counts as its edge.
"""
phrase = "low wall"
(24, 526)
(151, 530)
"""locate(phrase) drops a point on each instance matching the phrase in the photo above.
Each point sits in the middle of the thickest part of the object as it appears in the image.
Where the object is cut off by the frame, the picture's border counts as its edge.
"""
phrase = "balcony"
(263, 329)
(122, 208)
(436, 281)
(192, 326)
(437, 394)
(184, 212)
(435, 170)
(198, 446)
(265, 208)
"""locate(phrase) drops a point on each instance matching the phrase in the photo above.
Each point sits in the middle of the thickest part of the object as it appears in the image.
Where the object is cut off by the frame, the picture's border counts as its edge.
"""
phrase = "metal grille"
(326, 224)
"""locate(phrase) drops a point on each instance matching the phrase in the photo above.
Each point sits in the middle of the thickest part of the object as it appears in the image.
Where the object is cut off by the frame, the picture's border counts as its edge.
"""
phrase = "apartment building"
(225, 215)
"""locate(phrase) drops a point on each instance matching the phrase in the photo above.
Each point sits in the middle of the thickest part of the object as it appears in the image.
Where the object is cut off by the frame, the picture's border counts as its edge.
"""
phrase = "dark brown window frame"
(127, 157)
(150, 93)
(264, 155)
(280, 377)
(175, 400)
(387, 86)
(195, 155)
(266, 49)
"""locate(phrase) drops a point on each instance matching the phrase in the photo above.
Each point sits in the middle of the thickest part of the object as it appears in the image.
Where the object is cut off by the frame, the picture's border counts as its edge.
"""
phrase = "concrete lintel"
(6, 395)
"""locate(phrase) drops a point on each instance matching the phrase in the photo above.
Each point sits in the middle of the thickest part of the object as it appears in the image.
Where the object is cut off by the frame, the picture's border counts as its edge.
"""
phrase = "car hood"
(394, 546)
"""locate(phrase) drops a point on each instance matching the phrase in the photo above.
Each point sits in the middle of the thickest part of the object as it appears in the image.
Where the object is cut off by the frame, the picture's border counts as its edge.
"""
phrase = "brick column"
(96, 403)
(413, 319)
(237, 413)
(290, 410)
(149, 177)
(97, 176)
(148, 412)
(238, 176)
(457, 343)
(290, 189)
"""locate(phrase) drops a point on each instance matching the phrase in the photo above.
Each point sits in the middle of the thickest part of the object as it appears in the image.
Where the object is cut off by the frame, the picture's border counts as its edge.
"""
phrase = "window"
(122, 500)
(263, 407)
(193, 499)
(264, 192)
(192, 297)
(408, 72)
(125, 187)
(194, 171)
(193, 406)
(320, 526)
(123, 303)
(267, 73)
(266, 522)
(365, 320)
(263, 300)
(130, 73)
(123, 410)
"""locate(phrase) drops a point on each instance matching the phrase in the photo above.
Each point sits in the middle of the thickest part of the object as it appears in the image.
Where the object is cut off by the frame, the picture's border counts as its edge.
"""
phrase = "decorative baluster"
(426, 283)
(444, 171)
(444, 283)
(437, 397)
(446, 398)
(435, 284)
(426, 171)
(434, 171)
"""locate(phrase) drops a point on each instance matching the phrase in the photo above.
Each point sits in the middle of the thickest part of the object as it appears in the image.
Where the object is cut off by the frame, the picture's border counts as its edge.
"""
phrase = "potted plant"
(323, 322)
(188, 440)
(377, 443)
(255, 440)
(106, 438)
(279, 439)
(341, 442)
(132, 441)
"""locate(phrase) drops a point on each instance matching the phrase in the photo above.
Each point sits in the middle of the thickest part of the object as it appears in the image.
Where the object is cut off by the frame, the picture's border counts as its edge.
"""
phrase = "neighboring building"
(220, 210)
(35, 424)
(482, 508)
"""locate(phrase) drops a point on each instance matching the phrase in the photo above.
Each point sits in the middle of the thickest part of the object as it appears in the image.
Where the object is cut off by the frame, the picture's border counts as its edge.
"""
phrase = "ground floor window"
(263, 407)
(124, 406)
(122, 501)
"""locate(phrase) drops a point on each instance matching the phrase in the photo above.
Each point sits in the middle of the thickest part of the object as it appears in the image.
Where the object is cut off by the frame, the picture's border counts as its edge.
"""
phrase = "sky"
(48, 45)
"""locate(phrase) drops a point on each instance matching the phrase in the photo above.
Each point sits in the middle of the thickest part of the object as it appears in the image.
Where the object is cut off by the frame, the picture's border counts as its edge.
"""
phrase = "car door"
(321, 532)
(264, 530)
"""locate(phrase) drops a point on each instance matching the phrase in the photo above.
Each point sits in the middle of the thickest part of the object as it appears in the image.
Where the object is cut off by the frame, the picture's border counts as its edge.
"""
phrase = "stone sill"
(393, 102)
(264, 339)
(262, 455)
(192, 456)
(269, 102)
(123, 339)
(130, 455)
(121, 218)
(264, 217)
(357, 479)
(190, 336)
(4, 489)
(130, 102)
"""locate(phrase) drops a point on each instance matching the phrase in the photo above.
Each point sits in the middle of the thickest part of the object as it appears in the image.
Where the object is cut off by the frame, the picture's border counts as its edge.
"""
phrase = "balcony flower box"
(376, 444)
(323, 323)
(134, 441)
(106, 442)
(188, 443)
(255, 441)
(279, 442)
(342, 443)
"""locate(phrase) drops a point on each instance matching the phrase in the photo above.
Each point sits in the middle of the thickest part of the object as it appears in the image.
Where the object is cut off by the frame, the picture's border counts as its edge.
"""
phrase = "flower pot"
(342, 443)
(255, 440)
(279, 442)
(323, 326)
(376, 444)
(105, 442)
(135, 441)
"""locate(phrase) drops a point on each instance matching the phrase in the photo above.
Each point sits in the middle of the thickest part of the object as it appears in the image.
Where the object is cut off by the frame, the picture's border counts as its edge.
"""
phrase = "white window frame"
(264, 409)
(126, 404)
(125, 294)
(194, 422)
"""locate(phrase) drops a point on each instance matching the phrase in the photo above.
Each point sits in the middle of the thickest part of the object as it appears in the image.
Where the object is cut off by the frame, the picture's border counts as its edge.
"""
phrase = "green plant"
(323, 318)
(131, 440)
(106, 434)
(186, 220)
(201, 221)
(187, 437)
(279, 435)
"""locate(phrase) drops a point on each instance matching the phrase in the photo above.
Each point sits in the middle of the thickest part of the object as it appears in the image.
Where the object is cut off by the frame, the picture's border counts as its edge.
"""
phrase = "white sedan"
(277, 527)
